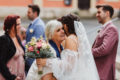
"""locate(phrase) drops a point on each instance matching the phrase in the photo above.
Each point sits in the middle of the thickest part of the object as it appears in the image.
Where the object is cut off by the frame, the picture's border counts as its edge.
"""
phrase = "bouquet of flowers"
(38, 49)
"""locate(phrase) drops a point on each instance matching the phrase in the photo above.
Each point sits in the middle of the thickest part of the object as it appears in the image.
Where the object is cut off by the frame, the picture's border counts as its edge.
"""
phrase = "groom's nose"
(97, 14)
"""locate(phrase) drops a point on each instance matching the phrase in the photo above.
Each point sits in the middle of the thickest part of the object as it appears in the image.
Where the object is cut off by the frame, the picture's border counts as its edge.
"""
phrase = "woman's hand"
(17, 78)
(41, 62)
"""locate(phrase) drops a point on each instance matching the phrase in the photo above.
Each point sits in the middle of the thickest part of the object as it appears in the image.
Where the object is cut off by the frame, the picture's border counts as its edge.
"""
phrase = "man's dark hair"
(107, 8)
(35, 8)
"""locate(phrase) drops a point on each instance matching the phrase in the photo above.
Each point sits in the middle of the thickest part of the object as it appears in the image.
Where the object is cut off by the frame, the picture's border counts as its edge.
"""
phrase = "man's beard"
(30, 18)
(101, 22)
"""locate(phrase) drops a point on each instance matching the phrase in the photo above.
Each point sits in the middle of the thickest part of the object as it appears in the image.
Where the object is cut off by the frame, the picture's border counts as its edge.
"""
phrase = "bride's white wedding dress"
(74, 65)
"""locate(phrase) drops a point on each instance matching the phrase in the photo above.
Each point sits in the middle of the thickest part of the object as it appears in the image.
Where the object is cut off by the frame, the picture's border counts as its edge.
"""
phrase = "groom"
(105, 46)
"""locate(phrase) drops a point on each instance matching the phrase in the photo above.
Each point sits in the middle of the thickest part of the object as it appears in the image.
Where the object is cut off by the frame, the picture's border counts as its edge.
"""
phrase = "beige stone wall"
(38, 2)
(56, 11)
(51, 12)
(92, 6)
(4, 11)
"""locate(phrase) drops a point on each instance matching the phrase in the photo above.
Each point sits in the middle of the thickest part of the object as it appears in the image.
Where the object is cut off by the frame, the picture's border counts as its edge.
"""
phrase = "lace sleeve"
(64, 66)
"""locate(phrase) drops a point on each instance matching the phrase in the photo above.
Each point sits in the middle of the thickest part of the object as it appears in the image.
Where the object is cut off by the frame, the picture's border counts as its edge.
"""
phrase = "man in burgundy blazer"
(105, 46)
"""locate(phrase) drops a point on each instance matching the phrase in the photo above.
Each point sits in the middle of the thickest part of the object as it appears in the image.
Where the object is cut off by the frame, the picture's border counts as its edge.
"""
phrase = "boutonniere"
(31, 30)
(98, 31)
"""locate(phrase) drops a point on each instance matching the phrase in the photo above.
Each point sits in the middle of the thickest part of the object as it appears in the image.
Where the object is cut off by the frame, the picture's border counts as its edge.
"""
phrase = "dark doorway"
(84, 4)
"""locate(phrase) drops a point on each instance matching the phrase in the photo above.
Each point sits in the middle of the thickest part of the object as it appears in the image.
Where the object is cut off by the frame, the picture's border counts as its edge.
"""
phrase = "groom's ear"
(108, 13)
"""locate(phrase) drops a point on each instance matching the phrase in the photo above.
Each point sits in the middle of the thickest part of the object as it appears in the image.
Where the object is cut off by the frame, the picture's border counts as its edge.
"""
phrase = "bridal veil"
(75, 65)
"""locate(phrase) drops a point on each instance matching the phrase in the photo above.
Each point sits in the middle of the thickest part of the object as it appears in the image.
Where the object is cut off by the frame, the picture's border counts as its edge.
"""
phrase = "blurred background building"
(55, 8)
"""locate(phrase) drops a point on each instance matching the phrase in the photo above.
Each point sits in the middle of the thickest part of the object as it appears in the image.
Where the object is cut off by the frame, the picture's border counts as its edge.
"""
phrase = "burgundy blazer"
(104, 51)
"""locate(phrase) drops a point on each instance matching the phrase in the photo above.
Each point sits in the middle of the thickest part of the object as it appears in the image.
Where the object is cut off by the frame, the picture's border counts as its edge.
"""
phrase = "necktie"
(29, 25)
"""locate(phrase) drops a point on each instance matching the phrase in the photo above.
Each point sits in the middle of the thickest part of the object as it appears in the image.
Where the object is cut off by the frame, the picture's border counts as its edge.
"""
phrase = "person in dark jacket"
(11, 51)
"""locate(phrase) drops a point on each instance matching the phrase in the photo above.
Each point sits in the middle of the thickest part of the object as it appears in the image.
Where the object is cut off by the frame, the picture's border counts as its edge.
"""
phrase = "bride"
(76, 61)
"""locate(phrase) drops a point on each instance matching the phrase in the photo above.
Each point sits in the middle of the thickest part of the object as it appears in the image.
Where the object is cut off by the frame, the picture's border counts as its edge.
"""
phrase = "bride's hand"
(41, 62)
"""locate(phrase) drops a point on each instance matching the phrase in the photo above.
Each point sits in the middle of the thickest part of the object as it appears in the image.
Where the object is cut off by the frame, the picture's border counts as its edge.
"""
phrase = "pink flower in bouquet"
(38, 49)
(39, 44)
(38, 52)
(30, 49)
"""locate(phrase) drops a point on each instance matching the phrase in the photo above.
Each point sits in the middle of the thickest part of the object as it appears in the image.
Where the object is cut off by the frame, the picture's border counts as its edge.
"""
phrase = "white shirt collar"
(34, 20)
(106, 23)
